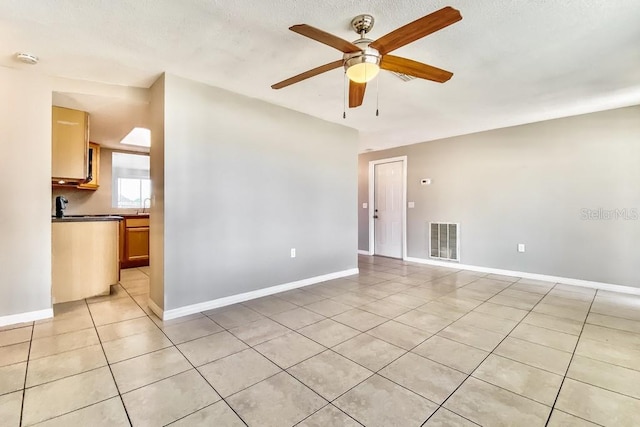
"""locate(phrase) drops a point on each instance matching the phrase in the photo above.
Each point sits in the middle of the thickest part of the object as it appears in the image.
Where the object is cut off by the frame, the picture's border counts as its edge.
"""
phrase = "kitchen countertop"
(86, 218)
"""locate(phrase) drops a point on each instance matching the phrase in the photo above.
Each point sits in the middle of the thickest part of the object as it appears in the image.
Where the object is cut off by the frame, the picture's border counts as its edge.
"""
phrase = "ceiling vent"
(404, 77)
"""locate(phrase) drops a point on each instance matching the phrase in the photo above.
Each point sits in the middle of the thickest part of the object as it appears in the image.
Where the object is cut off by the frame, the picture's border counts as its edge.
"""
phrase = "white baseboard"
(26, 317)
(154, 307)
(233, 299)
(546, 278)
(361, 252)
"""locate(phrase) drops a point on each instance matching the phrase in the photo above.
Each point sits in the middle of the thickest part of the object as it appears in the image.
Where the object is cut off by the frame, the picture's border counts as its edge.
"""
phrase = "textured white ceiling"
(514, 61)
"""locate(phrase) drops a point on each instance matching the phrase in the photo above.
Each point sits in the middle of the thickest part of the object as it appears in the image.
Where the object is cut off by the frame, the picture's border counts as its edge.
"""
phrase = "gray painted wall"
(25, 191)
(244, 182)
(528, 184)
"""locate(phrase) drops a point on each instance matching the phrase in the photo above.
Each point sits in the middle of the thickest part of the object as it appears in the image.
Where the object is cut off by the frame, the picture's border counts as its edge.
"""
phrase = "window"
(130, 180)
(132, 192)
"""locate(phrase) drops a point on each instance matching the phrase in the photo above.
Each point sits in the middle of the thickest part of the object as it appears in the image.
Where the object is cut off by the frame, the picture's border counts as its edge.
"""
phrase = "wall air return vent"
(444, 241)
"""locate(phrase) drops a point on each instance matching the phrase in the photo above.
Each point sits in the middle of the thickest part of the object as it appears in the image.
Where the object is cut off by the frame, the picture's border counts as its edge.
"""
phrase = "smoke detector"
(27, 58)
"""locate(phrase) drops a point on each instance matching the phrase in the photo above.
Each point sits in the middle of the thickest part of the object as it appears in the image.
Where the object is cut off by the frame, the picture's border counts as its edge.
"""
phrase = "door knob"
(375, 217)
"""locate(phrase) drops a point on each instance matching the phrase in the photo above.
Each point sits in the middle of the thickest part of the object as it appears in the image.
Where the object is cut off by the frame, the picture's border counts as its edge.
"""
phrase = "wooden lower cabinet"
(134, 237)
(137, 243)
(84, 259)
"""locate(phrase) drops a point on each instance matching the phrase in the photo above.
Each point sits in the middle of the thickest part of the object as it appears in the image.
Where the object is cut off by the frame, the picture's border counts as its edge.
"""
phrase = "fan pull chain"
(377, 96)
(344, 96)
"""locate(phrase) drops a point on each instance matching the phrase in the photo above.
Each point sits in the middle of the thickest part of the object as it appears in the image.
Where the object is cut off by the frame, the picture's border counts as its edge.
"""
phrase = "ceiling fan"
(363, 59)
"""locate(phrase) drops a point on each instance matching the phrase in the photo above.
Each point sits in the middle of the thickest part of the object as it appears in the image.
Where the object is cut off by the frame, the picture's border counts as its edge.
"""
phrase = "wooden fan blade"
(417, 29)
(326, 38)
(414, 68)
(356, 93)
(303, 76)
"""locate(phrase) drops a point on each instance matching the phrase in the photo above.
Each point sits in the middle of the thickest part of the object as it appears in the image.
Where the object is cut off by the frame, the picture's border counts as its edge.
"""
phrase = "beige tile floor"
(398, 345)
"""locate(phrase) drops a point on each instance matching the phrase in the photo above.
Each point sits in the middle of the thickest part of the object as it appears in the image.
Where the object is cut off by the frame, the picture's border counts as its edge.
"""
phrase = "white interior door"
(388, 209)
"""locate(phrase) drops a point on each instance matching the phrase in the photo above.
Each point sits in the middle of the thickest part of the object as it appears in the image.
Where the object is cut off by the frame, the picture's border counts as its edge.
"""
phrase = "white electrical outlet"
(293, 252)
(520, 247)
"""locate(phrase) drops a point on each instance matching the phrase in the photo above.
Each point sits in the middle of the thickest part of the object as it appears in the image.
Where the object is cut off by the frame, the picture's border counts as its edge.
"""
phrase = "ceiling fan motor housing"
(367, 55)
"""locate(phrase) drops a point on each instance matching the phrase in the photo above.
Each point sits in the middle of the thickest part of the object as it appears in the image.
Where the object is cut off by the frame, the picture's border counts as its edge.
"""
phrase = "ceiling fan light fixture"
(363, 72)
(363, 66)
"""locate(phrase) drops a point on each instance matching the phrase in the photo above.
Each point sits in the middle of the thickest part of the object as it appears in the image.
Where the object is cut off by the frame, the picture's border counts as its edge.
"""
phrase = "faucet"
(144, 204)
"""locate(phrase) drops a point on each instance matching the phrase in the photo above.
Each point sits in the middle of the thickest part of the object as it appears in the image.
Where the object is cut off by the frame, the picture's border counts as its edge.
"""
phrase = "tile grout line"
(66, 376)
(595, 294)
(190, 363)
(377, 371)
(490, 353)
(324, 298)
(203, 408)
(174, 345)
(601, 387)
(107, 360)
(333, 406)
(615, 317)
(402, 355)
(26, 372)
(364, 332)
(75, 410)
(79, 373)
(516, 338)
(580, 418)
(282, 370)
(94, 327)
(615, 329)
(423, 341)
(223, 399)
(196, 369)
(325, 349)
(327, 317)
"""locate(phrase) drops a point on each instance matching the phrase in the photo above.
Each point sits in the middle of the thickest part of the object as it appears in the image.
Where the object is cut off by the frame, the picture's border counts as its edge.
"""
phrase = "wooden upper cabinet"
(93, 168)
(70, 144)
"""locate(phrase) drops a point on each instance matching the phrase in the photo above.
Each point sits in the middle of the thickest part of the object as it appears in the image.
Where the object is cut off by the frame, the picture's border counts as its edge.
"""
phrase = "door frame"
(372, 236)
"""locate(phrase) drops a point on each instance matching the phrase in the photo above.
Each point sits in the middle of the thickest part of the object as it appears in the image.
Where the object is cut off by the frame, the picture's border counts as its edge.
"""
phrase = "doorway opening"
(100, 178)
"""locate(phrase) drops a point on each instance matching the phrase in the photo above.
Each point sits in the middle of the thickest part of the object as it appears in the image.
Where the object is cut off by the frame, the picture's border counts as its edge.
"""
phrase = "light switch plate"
(521, 247)
(412, 205)
(293, 252)
(365, 205)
